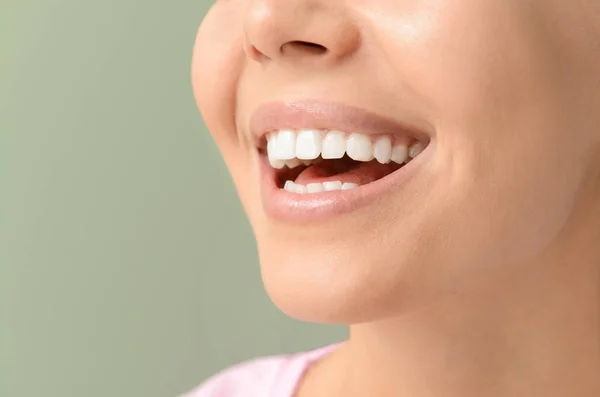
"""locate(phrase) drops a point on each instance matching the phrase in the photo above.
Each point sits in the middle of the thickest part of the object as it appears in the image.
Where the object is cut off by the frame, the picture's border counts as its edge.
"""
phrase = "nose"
(306, 31)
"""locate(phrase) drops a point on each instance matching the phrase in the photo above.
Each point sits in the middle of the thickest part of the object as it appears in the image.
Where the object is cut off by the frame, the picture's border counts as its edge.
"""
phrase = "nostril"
(311, 46)
(303, 48)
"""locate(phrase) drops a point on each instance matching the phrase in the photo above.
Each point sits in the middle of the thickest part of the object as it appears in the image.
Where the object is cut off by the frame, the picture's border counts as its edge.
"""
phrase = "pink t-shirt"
(275, 376)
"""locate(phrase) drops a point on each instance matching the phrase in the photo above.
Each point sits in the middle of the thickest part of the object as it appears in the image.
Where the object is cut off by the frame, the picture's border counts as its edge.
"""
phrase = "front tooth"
(300, 189)
(308, 144)
(314, 187)
(349, 186)
(289, 186)
(334, 145)
(382, 149)
(285, 145)
(359, 147)
(416, 149)
(399, 154)
(332, 185)
(293, 163)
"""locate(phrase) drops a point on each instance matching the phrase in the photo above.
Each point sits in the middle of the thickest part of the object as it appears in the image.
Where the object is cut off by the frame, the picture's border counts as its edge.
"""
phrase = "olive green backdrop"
(127, 267)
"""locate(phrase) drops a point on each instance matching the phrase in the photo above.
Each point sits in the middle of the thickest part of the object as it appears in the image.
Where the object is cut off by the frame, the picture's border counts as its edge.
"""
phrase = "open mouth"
(309, 161)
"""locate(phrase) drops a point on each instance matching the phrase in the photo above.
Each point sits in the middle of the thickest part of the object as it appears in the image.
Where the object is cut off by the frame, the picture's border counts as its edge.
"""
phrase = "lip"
(297, 208)
(314, 114)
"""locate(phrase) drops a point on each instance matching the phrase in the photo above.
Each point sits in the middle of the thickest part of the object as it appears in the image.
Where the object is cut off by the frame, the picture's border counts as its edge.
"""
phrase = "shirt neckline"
(289, 378)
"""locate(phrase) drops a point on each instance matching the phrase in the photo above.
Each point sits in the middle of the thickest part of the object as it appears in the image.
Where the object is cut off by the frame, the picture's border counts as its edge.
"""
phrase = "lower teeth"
(331, 186)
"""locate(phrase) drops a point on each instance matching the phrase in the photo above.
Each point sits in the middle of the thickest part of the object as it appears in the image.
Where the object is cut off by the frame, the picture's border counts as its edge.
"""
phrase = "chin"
(333, 284)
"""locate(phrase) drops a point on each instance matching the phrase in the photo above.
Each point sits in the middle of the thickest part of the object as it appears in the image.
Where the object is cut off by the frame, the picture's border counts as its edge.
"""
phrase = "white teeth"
(285, 146)
(292, 148)
(330, 186)
(277, 164)
(308, 144)
(271, 151)
(359, 147)
(382, 149)
(293, 163)
(416, 149)
(349, 186)
(300, 189)
(289, 186)
(315, 187)
(272, 144)
(399, 154)
(334, 145)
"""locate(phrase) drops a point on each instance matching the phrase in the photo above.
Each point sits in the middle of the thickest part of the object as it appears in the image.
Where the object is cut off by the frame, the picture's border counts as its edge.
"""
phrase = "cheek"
(217, 65)
(503, 129)
(217, 62)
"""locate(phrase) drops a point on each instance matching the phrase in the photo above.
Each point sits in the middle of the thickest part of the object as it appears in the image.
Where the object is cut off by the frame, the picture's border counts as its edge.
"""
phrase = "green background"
(127, 265)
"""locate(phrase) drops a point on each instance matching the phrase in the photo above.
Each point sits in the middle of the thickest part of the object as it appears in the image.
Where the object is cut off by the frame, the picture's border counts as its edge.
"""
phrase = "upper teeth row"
(289, 146)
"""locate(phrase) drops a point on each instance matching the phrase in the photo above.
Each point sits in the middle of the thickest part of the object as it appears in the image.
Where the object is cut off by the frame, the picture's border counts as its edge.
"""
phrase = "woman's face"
(501, 95)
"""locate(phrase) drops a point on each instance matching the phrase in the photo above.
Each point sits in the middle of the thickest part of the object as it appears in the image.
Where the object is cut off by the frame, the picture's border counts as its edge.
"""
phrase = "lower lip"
(291, 207)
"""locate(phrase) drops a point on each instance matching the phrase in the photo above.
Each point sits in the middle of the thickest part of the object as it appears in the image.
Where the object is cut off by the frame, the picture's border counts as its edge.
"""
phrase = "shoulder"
(259, 377)
(247, 379)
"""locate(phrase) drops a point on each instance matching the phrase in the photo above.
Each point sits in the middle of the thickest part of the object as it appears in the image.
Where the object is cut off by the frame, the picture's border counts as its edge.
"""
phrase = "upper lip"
(312, 114)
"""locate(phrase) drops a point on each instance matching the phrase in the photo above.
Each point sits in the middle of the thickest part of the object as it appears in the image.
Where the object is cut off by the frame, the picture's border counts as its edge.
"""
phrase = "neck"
(537, 334)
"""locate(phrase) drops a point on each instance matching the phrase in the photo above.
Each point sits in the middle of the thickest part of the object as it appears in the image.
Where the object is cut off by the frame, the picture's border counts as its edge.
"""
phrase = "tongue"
(346, 171)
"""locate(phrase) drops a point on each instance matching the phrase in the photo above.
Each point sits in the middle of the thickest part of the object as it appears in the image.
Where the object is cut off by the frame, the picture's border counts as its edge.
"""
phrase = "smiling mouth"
(321, 159)
(311, 161)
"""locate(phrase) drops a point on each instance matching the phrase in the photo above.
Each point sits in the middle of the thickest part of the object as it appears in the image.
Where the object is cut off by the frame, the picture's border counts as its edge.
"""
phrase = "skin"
(481, 276)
